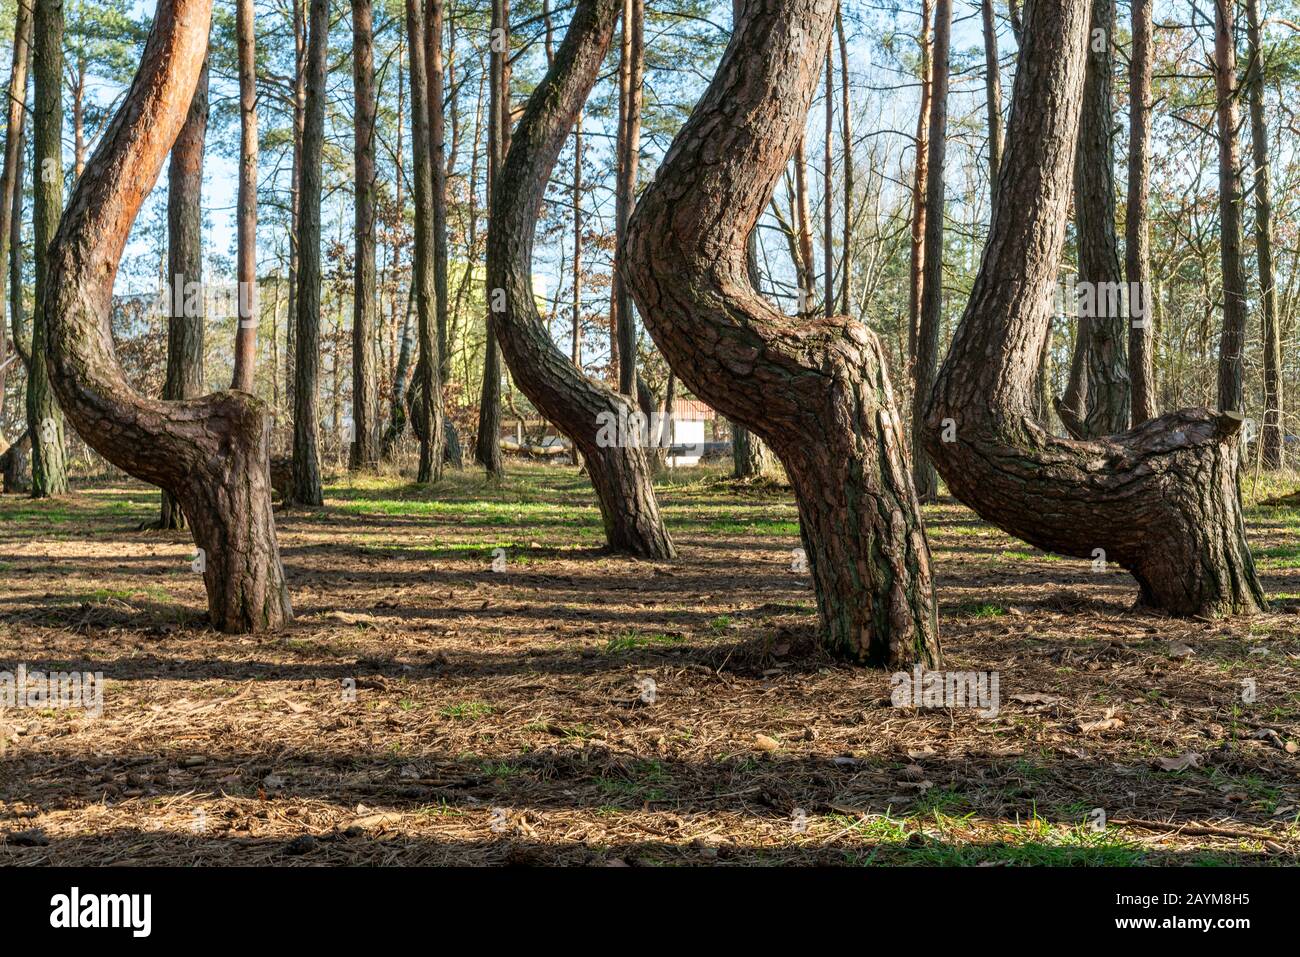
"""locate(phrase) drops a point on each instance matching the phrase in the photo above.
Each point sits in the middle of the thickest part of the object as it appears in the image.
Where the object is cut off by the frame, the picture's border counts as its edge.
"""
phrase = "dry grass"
(504, 717)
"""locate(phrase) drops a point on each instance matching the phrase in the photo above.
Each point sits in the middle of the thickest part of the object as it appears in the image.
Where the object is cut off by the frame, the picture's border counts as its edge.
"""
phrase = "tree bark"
(246, 268)
(10, 181)
(1105, 406)
(1271, 434)
(364, 452)
(816, 390)
(211, 452)
(924, 477)
(575, 348)
(44, 418)
(920, 177)
(1232, 341)
(577, 405)
(427, 412)
(306, 488)
(186, 314)
(295, 189)
(434, 16)
(992, 92)
(1137, 220)
(1160, 500)
(631, 73)
(846, 151)
(487, 449)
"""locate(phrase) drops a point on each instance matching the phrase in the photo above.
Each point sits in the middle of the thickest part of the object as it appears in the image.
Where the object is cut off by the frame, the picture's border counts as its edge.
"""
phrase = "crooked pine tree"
(210, 453)
(815, 389)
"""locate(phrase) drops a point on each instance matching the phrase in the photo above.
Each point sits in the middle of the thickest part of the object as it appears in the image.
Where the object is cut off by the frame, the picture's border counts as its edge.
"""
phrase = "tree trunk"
(576, 344)
(10, 180)
(1160, 500)
(578, 406)
(186, 312)
(427, 413)
(816, 390)
(306, 489)
(44, 418)
(1232, 341)
(631, 71)
(451, 451)
(927, 337)
(397, 414)
(807, 269)
(1106, 407)
(364, 452)
(992, 92)
(1271, 434)
(487, 449)
(295, 199)
(211, 452)
(246, 269)
(750, 457)
(828, 191)
(1137, 229)
(920, 177)
(846, 150)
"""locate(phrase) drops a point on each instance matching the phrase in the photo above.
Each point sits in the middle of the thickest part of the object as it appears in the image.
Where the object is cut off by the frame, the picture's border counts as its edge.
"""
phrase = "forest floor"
(425, 709)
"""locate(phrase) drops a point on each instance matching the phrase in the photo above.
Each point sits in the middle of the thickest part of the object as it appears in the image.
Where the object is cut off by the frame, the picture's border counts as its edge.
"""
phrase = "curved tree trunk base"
(621, 478)
(1160, 500)
(228, 503)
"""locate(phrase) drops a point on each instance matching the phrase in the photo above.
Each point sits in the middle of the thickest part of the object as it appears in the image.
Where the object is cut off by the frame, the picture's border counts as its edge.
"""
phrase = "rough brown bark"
(487, 450)
(295, 191)
(427, 411)
(246, 254)
(1137, 228)
(816, 390)
(364, 452)
(9, 179)
(1160, 500)
(846, 151)
(211, 452)
(920, 177)
(306, 425)
(577, 405)
(1103, 402)
(924, 477)
(631, 74)
(44, 417)
(992, 92)
(1232, 341)
(1272, 451)
(185, 310)
(434, 16)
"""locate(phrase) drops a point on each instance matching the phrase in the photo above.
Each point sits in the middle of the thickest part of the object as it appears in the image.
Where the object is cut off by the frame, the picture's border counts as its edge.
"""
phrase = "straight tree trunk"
(816, 391)
(578, 406)
(631, 72)
(750, 456)
(1160, 500)
(211, 453)
(803, 230)
(488, 446)
(992, 92)
(1106, 407)
(1137, 228)
(1271, 434)
(44, 418)
(828, 191)
(927, 338)
(846, 151)
(434, 16)
(427, 411)
(306, 484)
(246, 269)
(1233, 339)
(364, 453)
(920, 179)
(186, 312)
(10, 181)
(576, 345)
(295, 189)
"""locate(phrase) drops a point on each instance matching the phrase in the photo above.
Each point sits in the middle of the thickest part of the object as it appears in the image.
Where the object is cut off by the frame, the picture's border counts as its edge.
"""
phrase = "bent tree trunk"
(815, 389)
(577, 405)
(1160, 500)
(211, 453)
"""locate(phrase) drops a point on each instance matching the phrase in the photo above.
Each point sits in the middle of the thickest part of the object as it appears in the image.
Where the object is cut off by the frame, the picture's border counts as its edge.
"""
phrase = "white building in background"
(685, 439)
